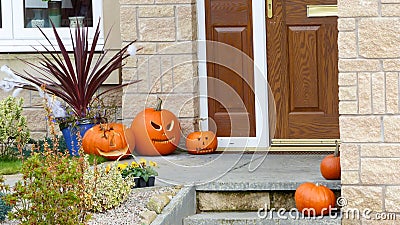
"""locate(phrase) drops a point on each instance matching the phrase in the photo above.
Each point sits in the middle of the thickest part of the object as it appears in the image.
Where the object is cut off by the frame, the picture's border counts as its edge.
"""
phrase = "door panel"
(231, 96)
(302, 60)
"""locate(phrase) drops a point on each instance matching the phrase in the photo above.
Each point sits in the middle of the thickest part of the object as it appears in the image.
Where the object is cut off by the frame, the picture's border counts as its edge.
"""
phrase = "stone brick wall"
(369, 67)
(166, 31)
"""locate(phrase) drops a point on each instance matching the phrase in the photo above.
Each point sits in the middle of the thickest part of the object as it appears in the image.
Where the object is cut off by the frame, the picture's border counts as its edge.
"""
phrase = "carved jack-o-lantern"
(157, 131)
(107, 140)
(201, 142)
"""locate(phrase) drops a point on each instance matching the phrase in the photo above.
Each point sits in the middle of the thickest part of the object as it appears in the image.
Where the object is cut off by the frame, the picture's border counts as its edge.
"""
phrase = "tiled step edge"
(181, 206)
(245, 218)
(263, 186)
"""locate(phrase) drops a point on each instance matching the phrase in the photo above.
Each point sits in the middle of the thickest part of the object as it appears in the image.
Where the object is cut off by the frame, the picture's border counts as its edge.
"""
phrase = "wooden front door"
(302, 57)
(230, 67)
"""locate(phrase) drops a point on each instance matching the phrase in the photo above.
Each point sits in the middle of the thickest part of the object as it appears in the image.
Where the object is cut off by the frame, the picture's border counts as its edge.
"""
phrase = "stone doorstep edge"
(181, 206)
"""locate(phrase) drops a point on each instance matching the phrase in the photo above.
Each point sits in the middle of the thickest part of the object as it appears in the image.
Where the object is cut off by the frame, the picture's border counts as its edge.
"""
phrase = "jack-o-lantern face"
(107, 140)
(157, 132)
(201, 142)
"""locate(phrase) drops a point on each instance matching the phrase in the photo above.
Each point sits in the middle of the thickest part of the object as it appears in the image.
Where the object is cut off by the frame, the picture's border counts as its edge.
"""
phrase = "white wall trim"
(260, 78)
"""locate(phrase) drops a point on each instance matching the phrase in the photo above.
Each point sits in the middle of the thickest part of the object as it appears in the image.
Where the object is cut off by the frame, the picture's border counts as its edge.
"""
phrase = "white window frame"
(24, 39)
(6, 29)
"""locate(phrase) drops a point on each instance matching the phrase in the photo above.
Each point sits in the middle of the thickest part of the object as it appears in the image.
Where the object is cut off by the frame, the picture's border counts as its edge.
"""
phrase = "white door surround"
(262, 139)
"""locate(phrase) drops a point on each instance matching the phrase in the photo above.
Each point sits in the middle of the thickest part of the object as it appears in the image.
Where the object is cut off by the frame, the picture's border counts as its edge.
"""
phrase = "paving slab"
(235, 171)
(240, 171)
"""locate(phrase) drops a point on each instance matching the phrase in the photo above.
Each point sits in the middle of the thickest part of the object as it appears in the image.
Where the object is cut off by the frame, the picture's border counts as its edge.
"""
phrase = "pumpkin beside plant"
(107, 140)
(314, 199)
(330, 165)
(201, 142)
(74, 77)
(157, 131)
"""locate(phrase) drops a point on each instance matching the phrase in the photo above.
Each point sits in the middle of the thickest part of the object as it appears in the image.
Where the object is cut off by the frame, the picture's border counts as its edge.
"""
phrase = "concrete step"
(245, 200)
(253, 218)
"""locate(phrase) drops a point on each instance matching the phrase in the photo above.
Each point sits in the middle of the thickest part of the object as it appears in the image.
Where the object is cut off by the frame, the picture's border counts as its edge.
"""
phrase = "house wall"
(369, 65)
(33, 103)
(165, 30)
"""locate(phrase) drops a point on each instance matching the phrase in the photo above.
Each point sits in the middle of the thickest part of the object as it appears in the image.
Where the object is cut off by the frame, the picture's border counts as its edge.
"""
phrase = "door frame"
(261, 87)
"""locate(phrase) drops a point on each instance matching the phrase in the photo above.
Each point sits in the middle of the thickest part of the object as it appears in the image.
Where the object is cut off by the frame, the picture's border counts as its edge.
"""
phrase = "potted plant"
(144, 172)
(75, 77)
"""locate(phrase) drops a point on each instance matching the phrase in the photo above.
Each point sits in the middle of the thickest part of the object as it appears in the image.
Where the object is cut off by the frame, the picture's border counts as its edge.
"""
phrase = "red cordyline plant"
(74, 79)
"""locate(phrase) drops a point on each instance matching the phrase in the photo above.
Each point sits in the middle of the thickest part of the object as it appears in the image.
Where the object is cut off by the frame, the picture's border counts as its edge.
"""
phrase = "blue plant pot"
(70, 135)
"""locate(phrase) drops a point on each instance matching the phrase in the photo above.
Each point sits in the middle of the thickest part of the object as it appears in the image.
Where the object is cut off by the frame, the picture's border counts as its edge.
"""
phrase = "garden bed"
(129, 211)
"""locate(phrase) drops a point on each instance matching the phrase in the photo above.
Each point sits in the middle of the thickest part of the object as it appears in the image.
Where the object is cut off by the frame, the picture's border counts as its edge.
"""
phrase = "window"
(20, 19)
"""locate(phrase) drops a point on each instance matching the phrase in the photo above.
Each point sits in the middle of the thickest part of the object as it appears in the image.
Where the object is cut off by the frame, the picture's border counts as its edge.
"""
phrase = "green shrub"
(14, 132)
(51, 191)
(61, 146)
(4, 207)
(106, 187)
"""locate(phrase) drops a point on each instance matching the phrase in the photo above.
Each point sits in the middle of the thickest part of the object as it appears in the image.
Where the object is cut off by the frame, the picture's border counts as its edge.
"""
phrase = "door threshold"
(304, 142)
(290, 145)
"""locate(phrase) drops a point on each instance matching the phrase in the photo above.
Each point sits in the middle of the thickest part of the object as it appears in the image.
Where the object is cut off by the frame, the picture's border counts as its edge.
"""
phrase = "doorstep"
(259, 171)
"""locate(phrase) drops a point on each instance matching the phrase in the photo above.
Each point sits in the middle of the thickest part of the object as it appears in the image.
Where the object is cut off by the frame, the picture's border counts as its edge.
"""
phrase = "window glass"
(63, 13)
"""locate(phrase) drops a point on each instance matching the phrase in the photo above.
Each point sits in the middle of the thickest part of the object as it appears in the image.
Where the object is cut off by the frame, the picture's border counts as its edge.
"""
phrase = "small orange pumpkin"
(330, 165)
(201, 142)
(107, 140)
(157, 131)
(314, 199)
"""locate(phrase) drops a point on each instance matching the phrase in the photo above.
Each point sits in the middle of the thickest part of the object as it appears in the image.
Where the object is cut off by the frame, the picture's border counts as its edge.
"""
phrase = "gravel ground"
(128, 212)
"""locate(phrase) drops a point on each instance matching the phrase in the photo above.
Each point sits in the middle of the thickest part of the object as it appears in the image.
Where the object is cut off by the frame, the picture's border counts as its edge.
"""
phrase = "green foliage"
(61, 146)
(10, 166)
(96, 159)
(142, 169)
(51, 191)
(14, 132)
(106, 187)
(4, 207)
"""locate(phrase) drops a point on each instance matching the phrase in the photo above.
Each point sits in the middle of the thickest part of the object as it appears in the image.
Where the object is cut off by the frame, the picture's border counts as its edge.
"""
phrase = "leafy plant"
(4, 207)
(76, 79)
(13, 129)
(51, 191)
(40, 144)
(106, 188)
(142, 169)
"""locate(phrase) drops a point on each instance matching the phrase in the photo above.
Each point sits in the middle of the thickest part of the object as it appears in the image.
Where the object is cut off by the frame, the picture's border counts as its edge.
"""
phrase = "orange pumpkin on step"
(157, 131)
(314, 199)
(107, 140)
(330, 165)
(201, 142)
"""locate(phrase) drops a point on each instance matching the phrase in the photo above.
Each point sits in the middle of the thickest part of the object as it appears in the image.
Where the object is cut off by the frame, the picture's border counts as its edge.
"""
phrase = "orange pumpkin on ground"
(314, 199)
(330, 165)
(157, 131)
(107, 140)
(201, 142)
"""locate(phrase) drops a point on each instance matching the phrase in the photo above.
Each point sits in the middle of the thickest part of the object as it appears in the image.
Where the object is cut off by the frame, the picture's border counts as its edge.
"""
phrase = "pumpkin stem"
(336, 154)
(199, 121)
(159, 103)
